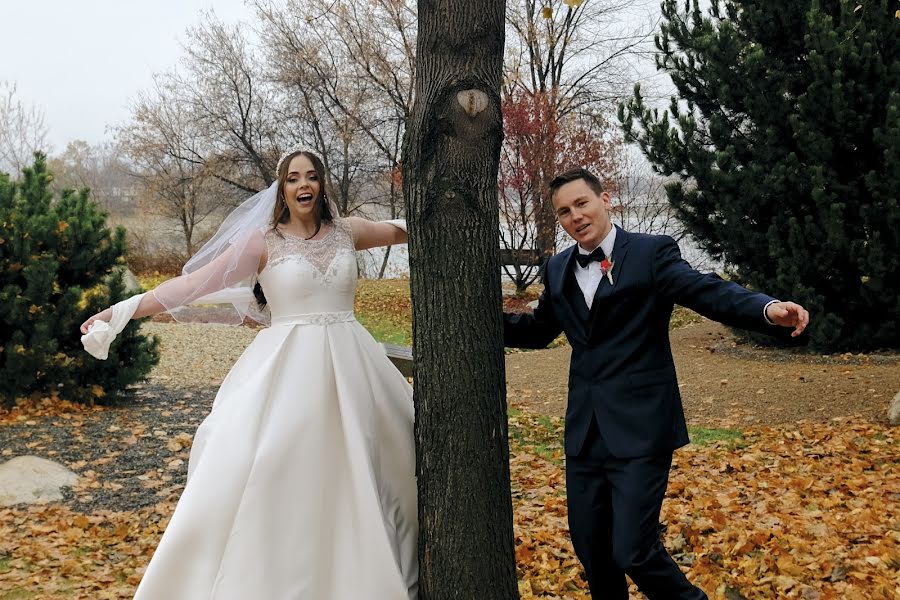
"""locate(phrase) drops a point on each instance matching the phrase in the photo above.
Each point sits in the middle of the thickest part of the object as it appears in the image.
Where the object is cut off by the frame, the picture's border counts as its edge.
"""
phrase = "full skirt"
(301, 481)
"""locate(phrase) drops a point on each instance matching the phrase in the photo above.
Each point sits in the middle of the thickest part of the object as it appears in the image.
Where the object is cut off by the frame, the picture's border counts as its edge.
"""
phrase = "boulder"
(31, 479)
(132, 285)
(894, 410)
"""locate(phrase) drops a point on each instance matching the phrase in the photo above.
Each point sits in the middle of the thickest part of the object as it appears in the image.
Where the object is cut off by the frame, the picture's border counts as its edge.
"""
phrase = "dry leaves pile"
(809, 512)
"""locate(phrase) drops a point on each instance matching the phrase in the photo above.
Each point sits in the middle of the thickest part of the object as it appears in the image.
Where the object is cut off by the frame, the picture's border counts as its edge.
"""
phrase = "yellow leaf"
(547, 12)
(81, 522)
(97, 391)
(572, 3)
(62, 226)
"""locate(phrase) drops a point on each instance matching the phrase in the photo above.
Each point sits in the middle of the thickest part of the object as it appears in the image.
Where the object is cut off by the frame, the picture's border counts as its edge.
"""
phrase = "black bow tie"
(585, 259)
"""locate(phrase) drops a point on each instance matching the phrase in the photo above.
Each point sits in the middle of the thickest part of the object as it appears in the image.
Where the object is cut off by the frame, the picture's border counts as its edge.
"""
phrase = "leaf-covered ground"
(807, 512)
(798, 510)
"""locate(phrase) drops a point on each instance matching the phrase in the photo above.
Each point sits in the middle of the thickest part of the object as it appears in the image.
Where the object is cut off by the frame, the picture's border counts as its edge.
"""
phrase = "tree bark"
(451, 157)
(384, 262)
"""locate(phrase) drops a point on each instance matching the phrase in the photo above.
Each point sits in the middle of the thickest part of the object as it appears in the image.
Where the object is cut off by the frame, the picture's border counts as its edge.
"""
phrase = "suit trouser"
(614, 507)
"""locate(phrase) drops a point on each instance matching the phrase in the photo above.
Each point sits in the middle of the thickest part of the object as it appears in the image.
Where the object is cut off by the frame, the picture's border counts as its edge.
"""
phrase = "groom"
(612, 294)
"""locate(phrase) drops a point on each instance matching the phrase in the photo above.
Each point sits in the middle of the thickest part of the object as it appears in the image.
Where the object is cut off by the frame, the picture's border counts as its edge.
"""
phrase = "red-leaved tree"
(539, 144)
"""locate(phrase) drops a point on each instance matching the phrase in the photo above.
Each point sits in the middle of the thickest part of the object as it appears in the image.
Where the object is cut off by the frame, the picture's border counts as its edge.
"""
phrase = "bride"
(301, 480)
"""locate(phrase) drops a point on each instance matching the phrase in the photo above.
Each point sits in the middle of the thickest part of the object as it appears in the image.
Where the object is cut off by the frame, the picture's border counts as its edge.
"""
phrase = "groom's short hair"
(574, 175)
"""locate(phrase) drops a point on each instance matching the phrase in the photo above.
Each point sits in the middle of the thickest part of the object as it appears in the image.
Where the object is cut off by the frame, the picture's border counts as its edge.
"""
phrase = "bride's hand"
(104, 315)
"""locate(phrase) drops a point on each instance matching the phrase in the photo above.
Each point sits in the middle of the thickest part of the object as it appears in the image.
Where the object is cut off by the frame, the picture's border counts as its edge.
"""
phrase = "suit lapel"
(620, 249)
(571, 296)
(558, 276)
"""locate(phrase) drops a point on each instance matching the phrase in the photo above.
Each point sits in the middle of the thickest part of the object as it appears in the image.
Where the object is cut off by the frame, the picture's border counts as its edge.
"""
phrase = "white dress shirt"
(589, 277)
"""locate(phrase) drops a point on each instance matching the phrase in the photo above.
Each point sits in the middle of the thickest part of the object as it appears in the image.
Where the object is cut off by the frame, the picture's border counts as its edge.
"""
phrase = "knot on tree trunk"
(472, 101)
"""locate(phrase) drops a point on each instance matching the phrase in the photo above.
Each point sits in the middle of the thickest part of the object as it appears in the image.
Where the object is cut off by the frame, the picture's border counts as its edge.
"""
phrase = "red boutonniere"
(606, 267)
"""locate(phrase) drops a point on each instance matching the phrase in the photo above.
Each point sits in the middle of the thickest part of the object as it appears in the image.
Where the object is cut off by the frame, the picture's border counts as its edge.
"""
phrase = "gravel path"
(194, 354)
(136, 454)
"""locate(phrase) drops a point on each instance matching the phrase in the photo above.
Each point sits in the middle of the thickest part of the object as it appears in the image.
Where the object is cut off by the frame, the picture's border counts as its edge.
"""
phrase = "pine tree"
(786, 143)
(59, 265)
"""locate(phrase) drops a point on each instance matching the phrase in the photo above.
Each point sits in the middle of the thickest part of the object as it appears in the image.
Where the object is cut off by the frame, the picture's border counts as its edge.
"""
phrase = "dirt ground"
(724, 384)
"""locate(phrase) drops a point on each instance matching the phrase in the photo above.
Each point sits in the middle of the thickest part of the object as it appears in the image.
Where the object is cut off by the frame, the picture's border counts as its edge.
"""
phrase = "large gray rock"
(31, 479)
(894, 410)
(132, 285)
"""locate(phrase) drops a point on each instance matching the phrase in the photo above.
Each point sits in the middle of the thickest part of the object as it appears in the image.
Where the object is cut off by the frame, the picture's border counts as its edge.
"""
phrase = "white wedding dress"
(301, 481)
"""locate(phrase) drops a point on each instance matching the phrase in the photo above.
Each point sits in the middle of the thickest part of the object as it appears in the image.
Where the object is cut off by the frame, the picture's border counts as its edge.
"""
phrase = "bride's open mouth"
(304, 199)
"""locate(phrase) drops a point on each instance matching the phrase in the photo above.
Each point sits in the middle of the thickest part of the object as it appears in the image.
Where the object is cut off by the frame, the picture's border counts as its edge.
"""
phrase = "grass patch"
(152, 279)
(538, 434)
(543, 435)
(704, 436)
(5, 564)
(18, 594)
(383, 307)
(682, 316)
(386, 331)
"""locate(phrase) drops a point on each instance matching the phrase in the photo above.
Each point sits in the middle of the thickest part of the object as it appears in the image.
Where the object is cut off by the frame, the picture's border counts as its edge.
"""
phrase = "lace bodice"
(303, 277)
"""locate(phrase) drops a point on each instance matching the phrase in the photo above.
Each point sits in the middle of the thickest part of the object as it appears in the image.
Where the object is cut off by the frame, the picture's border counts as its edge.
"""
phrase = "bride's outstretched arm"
(371, 234)
(149, 305)
(241, 260)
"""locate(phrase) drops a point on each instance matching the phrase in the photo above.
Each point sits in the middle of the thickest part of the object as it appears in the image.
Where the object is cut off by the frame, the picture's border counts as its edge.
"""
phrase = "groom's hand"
(788, 314)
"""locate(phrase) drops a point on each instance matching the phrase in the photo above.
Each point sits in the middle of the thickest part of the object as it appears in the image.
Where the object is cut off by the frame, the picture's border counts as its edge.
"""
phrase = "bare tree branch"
(22, 131)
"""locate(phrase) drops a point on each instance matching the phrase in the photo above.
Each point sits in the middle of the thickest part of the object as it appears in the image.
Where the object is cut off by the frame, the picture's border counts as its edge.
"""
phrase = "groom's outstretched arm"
(707, 293)
(532, 330)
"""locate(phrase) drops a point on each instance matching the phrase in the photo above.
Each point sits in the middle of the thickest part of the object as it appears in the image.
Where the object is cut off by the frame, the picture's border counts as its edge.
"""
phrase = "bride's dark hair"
(280, 212)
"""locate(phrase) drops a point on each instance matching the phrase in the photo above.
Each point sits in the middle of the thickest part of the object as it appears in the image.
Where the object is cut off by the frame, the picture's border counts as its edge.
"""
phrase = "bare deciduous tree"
(570, 62)
(98, 167)
(166, 152)
(583, 53)
(538, 145)
(230, 104)
(225, 107)
(22, 130)
(349, 69)
(640, 204)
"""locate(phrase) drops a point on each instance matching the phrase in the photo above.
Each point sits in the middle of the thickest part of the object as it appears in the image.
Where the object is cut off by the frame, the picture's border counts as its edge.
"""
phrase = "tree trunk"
(384, 262)
(451, 157)
(545, 223)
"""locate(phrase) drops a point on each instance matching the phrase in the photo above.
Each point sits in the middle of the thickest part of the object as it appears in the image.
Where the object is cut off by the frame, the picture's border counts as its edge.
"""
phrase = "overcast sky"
(81, 61)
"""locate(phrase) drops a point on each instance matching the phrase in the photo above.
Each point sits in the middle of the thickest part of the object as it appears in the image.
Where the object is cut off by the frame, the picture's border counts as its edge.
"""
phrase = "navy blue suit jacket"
(622, 370)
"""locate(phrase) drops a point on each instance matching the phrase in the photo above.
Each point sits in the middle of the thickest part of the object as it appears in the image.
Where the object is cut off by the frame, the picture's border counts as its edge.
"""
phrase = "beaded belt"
(323, 318)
